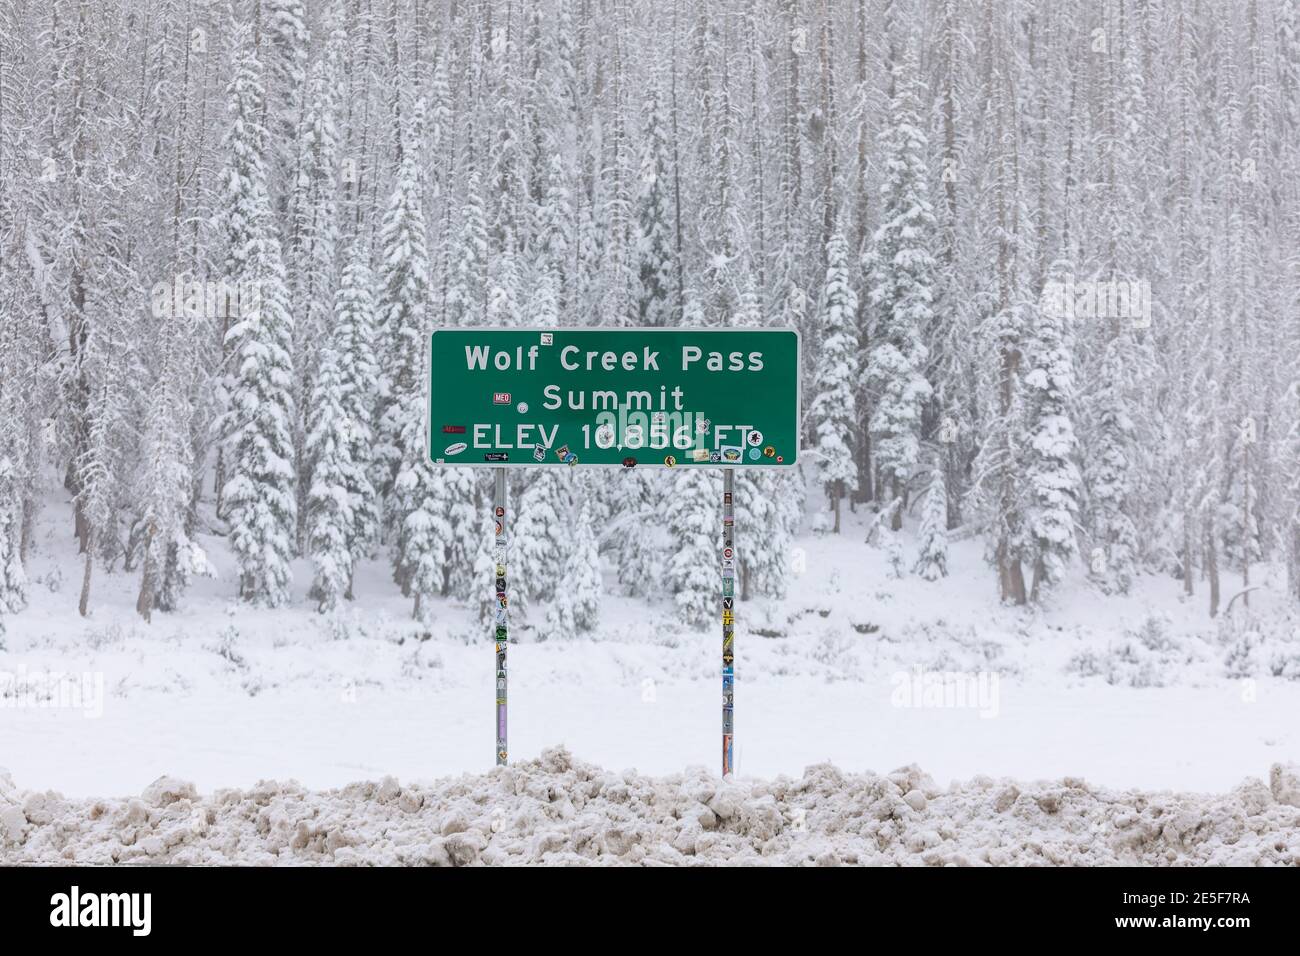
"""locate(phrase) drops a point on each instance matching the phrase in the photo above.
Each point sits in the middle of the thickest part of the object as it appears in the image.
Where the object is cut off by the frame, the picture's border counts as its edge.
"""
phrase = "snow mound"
(557, 810)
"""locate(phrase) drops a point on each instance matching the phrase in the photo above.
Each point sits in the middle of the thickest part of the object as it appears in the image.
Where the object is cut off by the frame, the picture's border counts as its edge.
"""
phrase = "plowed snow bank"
(558, 810)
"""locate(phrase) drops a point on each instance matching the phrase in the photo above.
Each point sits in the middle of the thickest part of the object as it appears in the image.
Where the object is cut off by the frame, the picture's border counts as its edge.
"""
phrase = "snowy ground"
(556, 810)
(1141, 692)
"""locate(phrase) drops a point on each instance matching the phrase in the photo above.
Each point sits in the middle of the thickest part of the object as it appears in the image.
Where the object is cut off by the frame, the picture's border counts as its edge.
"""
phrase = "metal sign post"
(728, 622)
(501, 614)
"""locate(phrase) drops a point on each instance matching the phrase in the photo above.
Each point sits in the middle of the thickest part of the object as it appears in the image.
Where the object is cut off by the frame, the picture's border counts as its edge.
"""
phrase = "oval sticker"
(455, 449)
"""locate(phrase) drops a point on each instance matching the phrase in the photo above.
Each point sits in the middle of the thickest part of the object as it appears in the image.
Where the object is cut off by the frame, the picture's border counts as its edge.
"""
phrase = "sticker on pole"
(675, 398)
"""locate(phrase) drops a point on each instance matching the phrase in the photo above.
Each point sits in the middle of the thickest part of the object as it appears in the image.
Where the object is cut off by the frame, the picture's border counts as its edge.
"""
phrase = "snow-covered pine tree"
(560, 623)
(169, 554)
(763, 496)
(467, 267)
(558, 234)
(483, 600)
(339, 482)
(312, 249)
(285, 29)
(25, 388)
(932, 559)
(503, 287)
(900, 267)
(891, 542)
(416, 508)
(236, 216)
(693, 516)
(354, 341)
(639, 497)
(260, 487)
(582, 582)
(1291, 532)
(1107, 476)
(586, 282)
(462, 495)
(1051, 475)
(656, 302)
(314, 224)
(763, 512)
(13, 580)
(576, 606)
(832, 412)
(459, 492)
(541, 537)
(15, 412)
(403, 295)
(420, 550)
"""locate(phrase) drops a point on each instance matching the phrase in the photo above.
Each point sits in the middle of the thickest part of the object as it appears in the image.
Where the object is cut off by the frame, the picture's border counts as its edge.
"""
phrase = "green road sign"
(680, 397)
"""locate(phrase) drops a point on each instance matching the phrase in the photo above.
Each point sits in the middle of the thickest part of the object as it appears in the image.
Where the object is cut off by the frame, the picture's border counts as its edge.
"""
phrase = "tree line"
(904, 181)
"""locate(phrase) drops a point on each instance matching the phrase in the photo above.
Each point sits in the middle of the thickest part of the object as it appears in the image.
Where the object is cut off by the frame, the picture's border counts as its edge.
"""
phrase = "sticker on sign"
(697, 397)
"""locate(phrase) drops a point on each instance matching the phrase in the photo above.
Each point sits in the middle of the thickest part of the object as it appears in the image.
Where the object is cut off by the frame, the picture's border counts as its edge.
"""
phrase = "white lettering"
(103, 909)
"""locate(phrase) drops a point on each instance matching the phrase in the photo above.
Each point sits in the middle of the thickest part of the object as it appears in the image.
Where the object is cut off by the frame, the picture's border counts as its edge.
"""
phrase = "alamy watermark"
(53, 690)
(130, 910)
(920, 688)
(1124, 299)
(205, 299)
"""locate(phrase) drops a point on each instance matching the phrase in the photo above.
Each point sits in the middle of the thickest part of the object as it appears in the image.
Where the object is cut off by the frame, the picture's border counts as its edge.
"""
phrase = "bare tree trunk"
(1246, 486)
(1040, 571)
(1295, 559)
(677, 182)
(1011, 577)
(1212, 568)
(84, 603)
(27, 527)
(144, 601)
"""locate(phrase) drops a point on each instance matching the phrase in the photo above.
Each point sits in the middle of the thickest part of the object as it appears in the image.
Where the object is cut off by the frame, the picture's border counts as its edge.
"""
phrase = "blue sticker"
(755, 454)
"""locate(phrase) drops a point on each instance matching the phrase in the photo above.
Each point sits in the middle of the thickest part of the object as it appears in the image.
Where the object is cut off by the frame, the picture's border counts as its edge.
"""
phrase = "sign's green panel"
(677, 397)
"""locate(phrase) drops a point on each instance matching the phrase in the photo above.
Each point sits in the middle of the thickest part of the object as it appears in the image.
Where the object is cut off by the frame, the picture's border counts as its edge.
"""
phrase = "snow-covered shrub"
(893, 554)
(225, 647)
(836, 651)
(1146, 657)
(1153, 634)
(112, 635)
(1285, 663)
(1243, 657)
(52, 579)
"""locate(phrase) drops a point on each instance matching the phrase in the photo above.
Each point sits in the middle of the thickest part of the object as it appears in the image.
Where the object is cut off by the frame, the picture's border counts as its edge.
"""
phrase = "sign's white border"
(428, 393)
